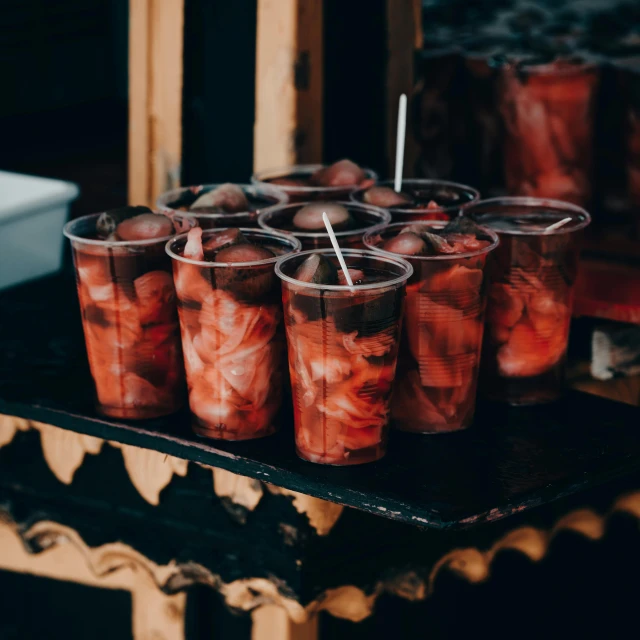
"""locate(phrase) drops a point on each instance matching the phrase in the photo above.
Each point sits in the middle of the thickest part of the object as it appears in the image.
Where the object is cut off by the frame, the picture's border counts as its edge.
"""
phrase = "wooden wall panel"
(404, 38)
(289, 83)
(155, 97)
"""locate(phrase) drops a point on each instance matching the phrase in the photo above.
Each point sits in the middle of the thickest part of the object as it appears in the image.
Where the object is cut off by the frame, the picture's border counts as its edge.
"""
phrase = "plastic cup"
(232, 338)
(530, 296)
(130, 321)
(343, 346)
(442, 338)
(294, 181)
(365, 217)
(449, 199)
(176, 203)
(548, 112)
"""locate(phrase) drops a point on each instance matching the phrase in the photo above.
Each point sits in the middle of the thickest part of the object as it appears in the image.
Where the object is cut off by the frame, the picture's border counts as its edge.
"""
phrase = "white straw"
(400, 135)
(557, 225)
(336, 248)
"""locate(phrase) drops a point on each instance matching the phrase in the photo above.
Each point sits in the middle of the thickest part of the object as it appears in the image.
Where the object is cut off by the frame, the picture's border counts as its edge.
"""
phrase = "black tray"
(511, 459)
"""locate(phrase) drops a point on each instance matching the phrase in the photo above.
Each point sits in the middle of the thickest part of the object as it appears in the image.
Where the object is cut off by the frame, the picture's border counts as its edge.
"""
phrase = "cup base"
(341, 462)
(430, 430)
(223, 434)
(148, 413)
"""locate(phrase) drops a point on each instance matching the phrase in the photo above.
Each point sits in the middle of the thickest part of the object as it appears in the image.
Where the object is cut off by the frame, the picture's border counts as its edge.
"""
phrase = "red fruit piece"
(146, 226)
(385, 197)
(229, 198)
(343, 173)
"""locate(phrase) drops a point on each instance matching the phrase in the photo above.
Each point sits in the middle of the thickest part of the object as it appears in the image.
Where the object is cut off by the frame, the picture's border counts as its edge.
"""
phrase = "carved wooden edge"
(150, 471)
(156, 34)
(289, 83)
(51, 550)
(348, 601)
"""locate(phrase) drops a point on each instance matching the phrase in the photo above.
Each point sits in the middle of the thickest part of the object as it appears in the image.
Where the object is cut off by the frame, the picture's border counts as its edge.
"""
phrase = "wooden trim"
(65, 557)
(156, 31)
(273, 623)
(404, 33)
(289, 84)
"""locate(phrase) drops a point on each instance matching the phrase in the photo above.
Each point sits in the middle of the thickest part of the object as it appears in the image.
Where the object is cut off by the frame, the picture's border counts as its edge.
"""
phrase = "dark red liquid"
(549, 118)
(234, 346)
(528, 316)
(130, 322)
(342, 360)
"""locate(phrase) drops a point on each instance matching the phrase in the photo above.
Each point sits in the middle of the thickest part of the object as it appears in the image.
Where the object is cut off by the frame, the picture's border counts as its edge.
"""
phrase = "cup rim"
(258, 178)
(162, 201)
(66, 230)
(346, 288)
(535, 203)
(245, 230)
(495, 241)
(369, 208)
(426, 182)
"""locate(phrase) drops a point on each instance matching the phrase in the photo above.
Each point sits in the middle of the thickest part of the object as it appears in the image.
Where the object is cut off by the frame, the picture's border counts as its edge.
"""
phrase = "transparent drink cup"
(438, 199)
(130, 321)
(435, 390)
(232, 337)
(343, 346)
(548, 112)
(531, 291)
(177, 202)
(294, 181)
(363, 218)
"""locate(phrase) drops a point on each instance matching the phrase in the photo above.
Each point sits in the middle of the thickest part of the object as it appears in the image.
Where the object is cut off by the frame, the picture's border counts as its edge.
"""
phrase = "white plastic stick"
(336, 248)
(557, 225)
(400, 135)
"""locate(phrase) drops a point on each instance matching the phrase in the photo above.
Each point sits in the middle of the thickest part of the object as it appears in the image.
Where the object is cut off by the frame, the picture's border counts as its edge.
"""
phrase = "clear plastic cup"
(177, 202)
(435, 391)
(531, 291)
(232, 337)
(130, 321)
(343, 346)
(364, 218)
(548, 112)
(294, 181)
(437, 199)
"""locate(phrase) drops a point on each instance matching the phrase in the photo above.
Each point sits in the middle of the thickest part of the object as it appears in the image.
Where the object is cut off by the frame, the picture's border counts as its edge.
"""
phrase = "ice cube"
(385, 197)
(226, 198)
(343, 173)
(309, 217)
(146, 226)
(316, 269)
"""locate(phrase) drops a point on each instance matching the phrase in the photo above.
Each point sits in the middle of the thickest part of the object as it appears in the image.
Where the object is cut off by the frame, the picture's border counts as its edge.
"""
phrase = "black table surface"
(510, 460)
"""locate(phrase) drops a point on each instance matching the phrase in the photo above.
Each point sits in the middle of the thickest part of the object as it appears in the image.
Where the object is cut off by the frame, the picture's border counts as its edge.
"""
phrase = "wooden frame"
(155, 98)
(289, 85)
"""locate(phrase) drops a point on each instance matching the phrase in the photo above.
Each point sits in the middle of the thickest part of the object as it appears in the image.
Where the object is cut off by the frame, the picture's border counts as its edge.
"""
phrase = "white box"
(32, 213)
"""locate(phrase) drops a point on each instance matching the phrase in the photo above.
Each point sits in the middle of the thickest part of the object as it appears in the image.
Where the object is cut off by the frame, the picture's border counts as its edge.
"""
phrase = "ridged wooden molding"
(52, 550)
(150, 471)
(322, 514)
(348, 601)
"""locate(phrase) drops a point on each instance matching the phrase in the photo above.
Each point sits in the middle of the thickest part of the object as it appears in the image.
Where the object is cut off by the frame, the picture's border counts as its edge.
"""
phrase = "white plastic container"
(32, 213)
